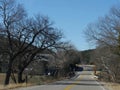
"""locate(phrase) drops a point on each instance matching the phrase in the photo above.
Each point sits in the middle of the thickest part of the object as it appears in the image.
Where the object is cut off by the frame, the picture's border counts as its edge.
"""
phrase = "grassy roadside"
(12, 86)
(34, 80)
(2, 78)
(113, 86)
(39, 80)
(110, 86)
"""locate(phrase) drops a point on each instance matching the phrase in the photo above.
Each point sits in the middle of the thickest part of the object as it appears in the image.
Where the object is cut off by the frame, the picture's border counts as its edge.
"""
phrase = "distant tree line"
(86, 56)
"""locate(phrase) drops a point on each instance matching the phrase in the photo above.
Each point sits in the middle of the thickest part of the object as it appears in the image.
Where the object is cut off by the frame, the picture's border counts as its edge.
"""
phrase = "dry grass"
(12, 86)
(2, 78)
(35, 80)
(32, 81)
(113, 86)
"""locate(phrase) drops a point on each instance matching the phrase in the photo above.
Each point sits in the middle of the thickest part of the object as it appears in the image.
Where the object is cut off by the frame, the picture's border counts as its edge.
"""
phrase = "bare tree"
(67, 58)
(106, 34)
(25, 37)
(10, 15)
(106, 30)
(45, 37)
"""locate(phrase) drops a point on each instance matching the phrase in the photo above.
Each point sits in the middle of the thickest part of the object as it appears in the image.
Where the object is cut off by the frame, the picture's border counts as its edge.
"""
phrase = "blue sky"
(72, 16)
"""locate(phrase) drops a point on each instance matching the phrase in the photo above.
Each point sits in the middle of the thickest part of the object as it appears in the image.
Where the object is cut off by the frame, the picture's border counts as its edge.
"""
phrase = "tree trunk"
(20, 80)
(8, 73)
(13, 77)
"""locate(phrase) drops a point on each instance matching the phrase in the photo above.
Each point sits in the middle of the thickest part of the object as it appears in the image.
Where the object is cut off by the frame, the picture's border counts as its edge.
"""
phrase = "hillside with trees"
(86, 56)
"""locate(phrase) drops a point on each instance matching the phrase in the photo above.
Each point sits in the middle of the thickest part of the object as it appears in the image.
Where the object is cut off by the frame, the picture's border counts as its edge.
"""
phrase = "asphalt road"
(83, 81)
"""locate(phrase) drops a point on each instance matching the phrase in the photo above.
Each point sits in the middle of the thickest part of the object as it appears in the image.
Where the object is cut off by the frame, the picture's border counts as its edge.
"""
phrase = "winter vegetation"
(31, 45)
(32, 50)
(106, 34)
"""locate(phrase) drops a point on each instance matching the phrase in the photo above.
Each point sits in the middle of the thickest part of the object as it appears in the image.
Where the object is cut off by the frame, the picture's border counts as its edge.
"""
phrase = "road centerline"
(72, 85)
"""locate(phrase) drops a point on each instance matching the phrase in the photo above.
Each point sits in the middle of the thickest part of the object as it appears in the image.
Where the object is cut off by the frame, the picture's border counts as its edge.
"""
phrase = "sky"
(72, 16)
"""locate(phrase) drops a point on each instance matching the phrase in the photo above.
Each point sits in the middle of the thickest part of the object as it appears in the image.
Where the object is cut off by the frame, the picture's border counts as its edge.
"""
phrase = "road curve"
(84, 81)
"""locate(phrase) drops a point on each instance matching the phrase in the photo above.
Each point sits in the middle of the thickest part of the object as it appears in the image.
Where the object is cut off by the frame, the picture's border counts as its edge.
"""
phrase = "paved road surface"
(83, 81)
